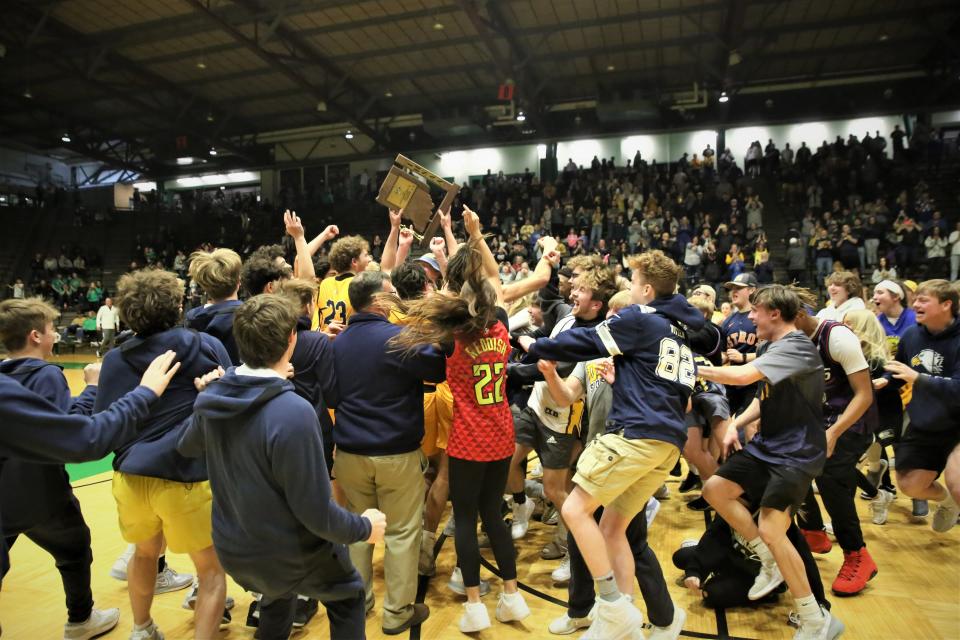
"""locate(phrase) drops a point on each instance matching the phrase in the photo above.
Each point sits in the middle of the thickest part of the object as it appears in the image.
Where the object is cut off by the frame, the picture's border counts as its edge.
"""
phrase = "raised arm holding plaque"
(403, 189)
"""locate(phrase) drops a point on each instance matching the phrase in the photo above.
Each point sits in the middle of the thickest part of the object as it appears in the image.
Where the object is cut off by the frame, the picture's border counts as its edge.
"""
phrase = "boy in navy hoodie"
(36, 500)
(160, 494)
(34, 429)
(646, 428)
(278, 532)
(928, 357)
(218, 274)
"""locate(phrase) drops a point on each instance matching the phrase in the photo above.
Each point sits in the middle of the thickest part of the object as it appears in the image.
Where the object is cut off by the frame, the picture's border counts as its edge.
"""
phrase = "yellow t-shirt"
(333, 303)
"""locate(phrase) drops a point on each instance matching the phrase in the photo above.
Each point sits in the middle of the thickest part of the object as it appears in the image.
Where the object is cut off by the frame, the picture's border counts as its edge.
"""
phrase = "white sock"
(760, 548)
(143, 627)
(809, 609)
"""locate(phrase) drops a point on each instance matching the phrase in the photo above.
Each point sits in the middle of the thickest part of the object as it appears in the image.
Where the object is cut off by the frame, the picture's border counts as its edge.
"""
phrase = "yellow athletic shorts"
(181, 511)
(437, 419)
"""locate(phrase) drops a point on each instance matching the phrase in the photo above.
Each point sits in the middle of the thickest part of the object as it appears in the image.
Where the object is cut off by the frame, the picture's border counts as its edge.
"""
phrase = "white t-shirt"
(845, 349)
(554, 417)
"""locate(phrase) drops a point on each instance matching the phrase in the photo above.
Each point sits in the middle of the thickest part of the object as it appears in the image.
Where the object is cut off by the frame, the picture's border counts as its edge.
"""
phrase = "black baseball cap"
(742, 280)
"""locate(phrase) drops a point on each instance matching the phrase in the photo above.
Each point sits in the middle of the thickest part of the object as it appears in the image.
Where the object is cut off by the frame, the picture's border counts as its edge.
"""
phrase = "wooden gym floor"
(915, 595)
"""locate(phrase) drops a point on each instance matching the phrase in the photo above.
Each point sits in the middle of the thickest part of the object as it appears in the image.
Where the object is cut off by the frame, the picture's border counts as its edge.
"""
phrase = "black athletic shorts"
(775, 486)
(553, 448)
(706, 407)
(926, 450)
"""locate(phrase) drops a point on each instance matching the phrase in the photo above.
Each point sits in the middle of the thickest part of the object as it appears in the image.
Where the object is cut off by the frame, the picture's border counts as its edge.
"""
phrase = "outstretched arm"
(303, 264)
(389, 258)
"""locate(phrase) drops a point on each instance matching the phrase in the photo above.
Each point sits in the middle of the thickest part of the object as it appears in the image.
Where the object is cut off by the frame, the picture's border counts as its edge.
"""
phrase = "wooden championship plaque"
(403, 189)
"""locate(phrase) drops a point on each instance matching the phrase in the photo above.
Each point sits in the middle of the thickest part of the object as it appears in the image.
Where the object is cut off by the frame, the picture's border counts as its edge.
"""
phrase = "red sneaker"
(817, 541)
(858, 569)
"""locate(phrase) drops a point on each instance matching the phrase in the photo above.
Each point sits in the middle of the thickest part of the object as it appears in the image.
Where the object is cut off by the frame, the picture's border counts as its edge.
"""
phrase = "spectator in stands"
(108, 322)
(845, 290)
(883, 271)
(796, 261)
(847, 249)
(50, 264)
(735, 262)
(18, 289)
(954, 241)
(936, 246)
(63, 262)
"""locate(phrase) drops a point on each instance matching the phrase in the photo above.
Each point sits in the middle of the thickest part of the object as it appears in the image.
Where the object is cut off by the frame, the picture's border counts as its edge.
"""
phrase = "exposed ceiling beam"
(289, 36)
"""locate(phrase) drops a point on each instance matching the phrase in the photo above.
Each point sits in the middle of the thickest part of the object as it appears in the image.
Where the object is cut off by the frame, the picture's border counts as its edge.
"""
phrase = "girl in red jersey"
(468, 315)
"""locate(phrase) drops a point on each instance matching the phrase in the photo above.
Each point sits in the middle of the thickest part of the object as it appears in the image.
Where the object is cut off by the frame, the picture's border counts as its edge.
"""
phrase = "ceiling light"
(213, 151)
(65, 137)
(388, 94)
(723, 97)
(210, 116)
(348, 135)
(610, 67)
(438, 26)
(201, 65)
(321, 106)
(27, 94)
(184, 161)
(734, 58)
(884, 37)
(521, 116)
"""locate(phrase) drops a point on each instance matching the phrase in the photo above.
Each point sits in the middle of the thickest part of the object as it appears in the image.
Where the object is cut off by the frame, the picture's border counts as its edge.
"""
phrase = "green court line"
(72, 365)
(87, 469)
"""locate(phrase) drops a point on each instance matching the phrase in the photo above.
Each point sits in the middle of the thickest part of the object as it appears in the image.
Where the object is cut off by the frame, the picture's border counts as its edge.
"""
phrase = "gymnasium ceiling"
(127, 79)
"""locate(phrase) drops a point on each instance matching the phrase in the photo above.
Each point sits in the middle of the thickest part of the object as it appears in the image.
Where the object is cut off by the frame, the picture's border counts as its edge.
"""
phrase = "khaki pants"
(395, 485)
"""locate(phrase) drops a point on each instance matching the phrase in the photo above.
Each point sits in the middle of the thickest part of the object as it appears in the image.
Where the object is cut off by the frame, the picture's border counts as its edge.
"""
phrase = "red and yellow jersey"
(477, 373)
(332, 302)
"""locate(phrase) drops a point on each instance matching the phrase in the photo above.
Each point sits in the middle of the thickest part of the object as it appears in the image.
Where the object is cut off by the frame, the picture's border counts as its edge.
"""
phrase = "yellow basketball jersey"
(333, 303)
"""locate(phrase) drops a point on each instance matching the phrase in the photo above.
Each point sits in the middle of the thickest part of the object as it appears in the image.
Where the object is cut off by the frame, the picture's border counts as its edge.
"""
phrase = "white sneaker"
(945, 517)
(651, 510)
(97, 624)
(619, 620)
(551, 515)
(456, 584)
(427, 565)
(673, 631)
(119, 569)
(767, 580)
(565, 625)
(561, 575)
(150, 633)
(521, 519)
(169, 580)
(512, 607)
(474, 618)
(880, 506)
(827, 628)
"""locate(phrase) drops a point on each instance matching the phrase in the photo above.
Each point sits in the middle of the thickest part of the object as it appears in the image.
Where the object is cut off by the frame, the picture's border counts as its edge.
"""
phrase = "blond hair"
(657, 270)
(217, 272)
(619, 300)
(873, 339)
(942, 290)
(19, 317)
(848, 280)
(702, 304)
(300, 290)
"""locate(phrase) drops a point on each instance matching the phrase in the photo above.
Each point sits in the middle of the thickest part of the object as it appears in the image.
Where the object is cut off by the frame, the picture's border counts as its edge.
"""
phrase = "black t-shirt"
(791, 404)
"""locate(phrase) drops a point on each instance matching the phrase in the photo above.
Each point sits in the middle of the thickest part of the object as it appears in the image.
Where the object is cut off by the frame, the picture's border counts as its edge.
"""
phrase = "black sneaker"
(306, 609)
(691, 482)
(253, 614)
(676, 471)
(699, 504)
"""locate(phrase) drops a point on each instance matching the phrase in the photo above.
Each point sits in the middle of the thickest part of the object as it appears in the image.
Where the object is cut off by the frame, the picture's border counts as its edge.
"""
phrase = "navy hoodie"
(380, 390)
(217, 320)
(153, 453)
(935, 405)
(33, 428)
(274, 520)
(313, 376)
(31, 493)
(655, 371)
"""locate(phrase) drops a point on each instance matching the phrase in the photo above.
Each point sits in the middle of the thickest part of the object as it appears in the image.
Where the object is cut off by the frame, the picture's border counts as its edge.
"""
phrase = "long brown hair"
(465, 307)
